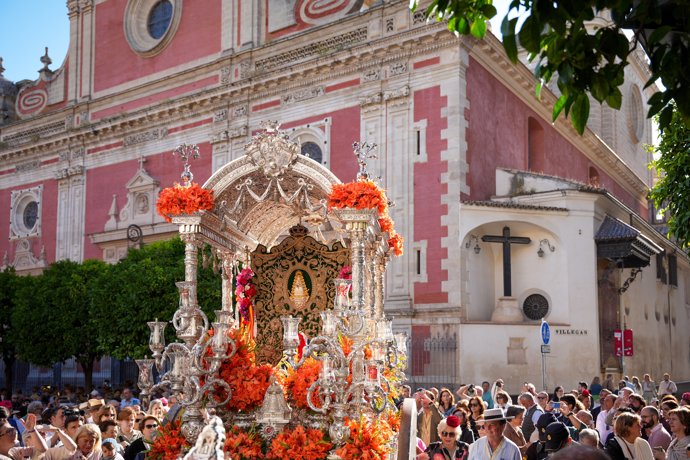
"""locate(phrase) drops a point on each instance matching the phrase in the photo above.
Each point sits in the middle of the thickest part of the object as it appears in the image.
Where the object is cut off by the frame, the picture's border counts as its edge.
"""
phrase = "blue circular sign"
(545, 332)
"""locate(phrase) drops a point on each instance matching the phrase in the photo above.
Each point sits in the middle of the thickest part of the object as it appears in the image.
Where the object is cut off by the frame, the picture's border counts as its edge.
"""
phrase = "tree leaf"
(580, 112)
(615, 99)
(559, 106)
(478, 28)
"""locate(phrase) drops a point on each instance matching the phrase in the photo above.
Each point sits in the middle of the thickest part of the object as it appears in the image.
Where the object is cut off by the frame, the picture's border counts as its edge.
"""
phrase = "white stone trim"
(419, 252)
(136, 27)
(318, 132)
(19, 200)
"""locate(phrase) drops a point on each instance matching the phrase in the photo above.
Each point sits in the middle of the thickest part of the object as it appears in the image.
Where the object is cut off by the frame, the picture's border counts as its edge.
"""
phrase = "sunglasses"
(153, 425)
(481, 428)
(474, 405)
(448, 433)
(11, 431)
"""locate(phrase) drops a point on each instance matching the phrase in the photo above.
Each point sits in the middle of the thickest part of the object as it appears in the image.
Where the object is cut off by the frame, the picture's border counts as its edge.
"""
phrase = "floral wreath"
(181, 199)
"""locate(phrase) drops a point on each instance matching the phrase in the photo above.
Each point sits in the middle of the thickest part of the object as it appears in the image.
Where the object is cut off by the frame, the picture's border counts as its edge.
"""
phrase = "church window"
(313, 151)
(660, 268)
(25, 213)
(160, 18)
(30, 215)
(535, 307)
(636, 118)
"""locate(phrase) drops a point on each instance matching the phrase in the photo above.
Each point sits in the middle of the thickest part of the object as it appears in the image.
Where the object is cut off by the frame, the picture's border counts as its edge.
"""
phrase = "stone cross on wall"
(506, 240)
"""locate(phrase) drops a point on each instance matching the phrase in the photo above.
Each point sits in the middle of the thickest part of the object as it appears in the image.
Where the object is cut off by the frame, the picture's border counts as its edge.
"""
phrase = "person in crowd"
(569, 407)
(128, 434)
(466, 434)
(450, 446)
(529, 388)
(109, 450)
(648, 388)
(54, 416)
(558, 392)
(542, 400)
(589, 437)
(586, 399)
(667, 387)
(107, 412)
(476, 413)
(557, 437)
(536, 450)
(657, 436)
(8, 444)
(579, 452)
(685, 399)
(434, 391)
(487, 396)
(494, 445)
(65, 447)
(502, 400)
(446, 404)
(667, 405)
(513, 430)
(597, 408)
(468, 391)
(73, 422)
(427, 419)
(603, 427)
(532, 411)
(149, 428)
(109, 429)
(498, 385)
(636, 403)
(88, 440)
(679, 421)
(128, 399)
(627, 442)
(637, 385)
(94, 406)
(595, 386)
(608, 382)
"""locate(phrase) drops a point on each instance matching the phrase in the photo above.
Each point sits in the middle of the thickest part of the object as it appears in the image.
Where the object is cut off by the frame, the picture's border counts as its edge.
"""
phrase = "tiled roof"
(613, 229)
(512, 205)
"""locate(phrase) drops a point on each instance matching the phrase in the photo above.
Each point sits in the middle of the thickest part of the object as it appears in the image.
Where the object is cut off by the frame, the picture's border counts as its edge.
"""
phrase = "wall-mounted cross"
(506, 240)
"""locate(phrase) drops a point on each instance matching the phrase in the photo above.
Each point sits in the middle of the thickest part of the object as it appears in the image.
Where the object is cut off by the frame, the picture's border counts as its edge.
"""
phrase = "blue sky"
(28, 26)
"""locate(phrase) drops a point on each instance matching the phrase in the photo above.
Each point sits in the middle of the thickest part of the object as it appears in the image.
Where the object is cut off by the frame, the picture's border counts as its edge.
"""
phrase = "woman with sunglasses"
(476, 413)
(449, 447)
(148, 427)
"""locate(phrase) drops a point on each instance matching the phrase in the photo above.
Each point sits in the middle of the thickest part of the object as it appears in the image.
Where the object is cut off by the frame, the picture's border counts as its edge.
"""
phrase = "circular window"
(535, 307)
(151, 24)
(313, 151)
(30, 215)
(160, 18)
(636, 116)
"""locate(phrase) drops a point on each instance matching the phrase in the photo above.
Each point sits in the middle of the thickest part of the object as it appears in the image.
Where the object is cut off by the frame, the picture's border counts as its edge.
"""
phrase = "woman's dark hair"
(555, 397)
(477, 400)
(440, 399)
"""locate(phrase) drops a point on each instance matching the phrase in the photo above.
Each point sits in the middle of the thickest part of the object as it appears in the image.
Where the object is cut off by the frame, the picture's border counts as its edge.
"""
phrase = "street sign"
(618, 342)
(545, 332)
(546, 349)
(627, 342)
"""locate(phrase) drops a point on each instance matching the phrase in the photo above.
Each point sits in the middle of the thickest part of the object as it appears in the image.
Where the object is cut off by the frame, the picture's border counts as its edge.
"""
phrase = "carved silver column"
(380, 262)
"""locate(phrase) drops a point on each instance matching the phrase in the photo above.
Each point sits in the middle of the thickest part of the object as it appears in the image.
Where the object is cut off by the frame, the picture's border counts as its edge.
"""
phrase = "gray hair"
(591, 434)
(35, 407)
(528, 396)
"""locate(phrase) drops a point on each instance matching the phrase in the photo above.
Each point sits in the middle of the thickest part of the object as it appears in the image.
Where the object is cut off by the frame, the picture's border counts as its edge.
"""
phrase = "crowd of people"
(74, 425)
(636, 420)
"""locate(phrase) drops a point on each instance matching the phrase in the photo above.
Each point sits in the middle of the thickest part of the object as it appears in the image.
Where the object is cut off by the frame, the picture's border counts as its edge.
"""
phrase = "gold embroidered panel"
(293, 278)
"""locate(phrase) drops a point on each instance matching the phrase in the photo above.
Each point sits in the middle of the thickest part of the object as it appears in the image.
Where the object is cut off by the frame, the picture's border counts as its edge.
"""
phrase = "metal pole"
(543, 372)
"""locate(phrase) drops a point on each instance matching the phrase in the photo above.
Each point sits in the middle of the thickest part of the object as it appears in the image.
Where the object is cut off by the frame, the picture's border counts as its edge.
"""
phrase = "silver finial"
(45, 60)
(363, 152)
(187, 152)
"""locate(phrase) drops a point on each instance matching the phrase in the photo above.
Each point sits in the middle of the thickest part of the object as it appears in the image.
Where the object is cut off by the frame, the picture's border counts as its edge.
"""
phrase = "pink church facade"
(465, 149)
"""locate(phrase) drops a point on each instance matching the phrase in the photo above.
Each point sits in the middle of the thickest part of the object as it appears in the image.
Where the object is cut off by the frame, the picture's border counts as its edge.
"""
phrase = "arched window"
(535, 146)
(594, 177)
(313, 151)
(160, 18)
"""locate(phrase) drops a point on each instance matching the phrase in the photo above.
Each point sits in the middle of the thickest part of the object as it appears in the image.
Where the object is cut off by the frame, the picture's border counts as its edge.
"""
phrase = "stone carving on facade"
(303, 95)
(371, 99)
(390, 25)
(65, 173)
(78, 153)
(397, 68)
(371, 75)
(24, 258)
(25, 212)
(240, 111)
(396, 93)
(142, 191)
(146, 136)
(69, 122)
(27, 166)
(220, 115)
(225, 75)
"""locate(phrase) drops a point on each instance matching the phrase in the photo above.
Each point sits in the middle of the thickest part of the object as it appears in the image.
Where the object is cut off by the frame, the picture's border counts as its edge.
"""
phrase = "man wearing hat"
(494, 445)
(449, 447)
(557, 437)
(537, 450)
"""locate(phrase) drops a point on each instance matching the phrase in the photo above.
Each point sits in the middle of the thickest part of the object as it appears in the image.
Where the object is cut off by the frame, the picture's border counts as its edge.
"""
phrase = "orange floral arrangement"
(297, 382)
(392, 418)
(363, 194)
(178, 199)
(368, 440)
(305, 444)
(395, 242)
(248, 381)
(169, 443)
(240, 445)
(346, 344)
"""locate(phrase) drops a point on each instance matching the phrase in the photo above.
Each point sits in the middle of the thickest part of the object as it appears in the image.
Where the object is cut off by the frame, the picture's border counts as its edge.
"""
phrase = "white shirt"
(666, 388)
(481, 450)
(601, 426)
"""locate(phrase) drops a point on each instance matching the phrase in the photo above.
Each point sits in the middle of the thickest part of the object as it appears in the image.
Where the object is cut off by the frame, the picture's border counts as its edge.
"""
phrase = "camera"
(556, 405)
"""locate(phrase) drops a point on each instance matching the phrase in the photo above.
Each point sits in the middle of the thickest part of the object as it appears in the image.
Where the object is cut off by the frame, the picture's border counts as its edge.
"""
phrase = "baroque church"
(509, 219)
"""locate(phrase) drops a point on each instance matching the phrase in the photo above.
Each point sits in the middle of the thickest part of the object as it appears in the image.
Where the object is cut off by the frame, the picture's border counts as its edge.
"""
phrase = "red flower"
(177, 200)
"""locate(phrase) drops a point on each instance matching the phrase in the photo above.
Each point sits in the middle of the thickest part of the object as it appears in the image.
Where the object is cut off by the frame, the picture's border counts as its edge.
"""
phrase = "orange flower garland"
(169, 443)
(368, 441)
(298, 381)
(248, 381)
(177, 200)
(240, 445)
(305, 444)
(395, 242)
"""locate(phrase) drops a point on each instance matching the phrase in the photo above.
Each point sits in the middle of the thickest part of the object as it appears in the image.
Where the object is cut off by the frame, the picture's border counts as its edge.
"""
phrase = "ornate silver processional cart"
(293, 299)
